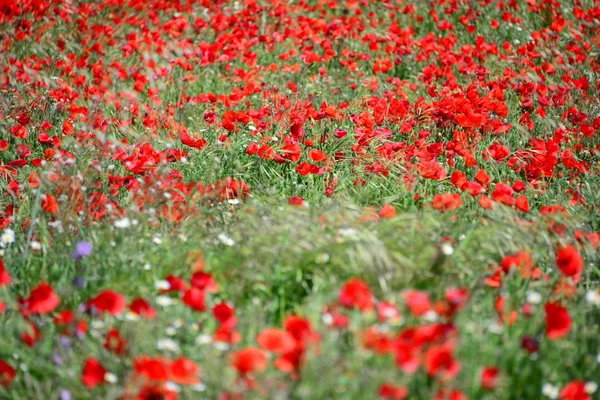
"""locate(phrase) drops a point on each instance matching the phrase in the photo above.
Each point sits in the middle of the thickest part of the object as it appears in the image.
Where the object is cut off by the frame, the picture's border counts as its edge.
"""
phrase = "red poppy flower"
(503, 194)
(49, 204)
(317, 155)
(523, 262)
(31, 335)
(418, 302)
(296, 201)
(407, 356)
(558, 321)
(300, 329)
(108, 301)
(115, 342)
(68, 127)
(393, 392)
(153, 391)
(4, 275)
(175, 284)
(439, 360)
(291, 361)
(447, 202)
(291, 152)
(569, 260)
(142, 308)
(93, 373)
(249, 360)
(7, 373)
(506, 315)
(450, 395)
(226, 334)
(203, 280)
(224, 313)
(575, 391)
(276, 340)
(485, 202)
(482, 177)
(155, 369)
(522, 203)
(42, 299)
(387, 211)
(194, 298)
(356, 294)
(184, 371)
(378, 342)
(387, 311)
(489, 378)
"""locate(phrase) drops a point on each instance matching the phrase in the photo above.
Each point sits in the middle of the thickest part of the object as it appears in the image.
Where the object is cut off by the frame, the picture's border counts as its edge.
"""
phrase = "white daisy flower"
(8, 237)
(226, 240)
(549, 390)
(122, 223)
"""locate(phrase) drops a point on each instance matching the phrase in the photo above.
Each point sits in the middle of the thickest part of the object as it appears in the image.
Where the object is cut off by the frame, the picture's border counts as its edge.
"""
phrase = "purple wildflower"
(65, 394)
(82, 249)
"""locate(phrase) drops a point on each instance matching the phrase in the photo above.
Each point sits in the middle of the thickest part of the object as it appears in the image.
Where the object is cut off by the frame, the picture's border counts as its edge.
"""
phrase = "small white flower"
(123, 223)
(173, 387)
(221, 346)
(447, 249)
(226, 240)
(97, 324)
(327, 319)
(198, 387)
(8, 237)
(347, 232)
(131, 316)
(590, 387)
(164, 301)
(56, 224)
(593, 297)
(549, 390)
(157, 239)
(322, 258)
(162, 285)
(495, 327)
(203, 339)
(170, 331)
(534, 298)
(430, 316)
(167, 344)
(147, 267)
(178, 323)
(110, 377)
(35, 245)
(233, 202)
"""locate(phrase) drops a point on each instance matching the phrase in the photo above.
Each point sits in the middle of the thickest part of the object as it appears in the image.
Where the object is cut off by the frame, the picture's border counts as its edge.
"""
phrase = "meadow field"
(299, 199)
